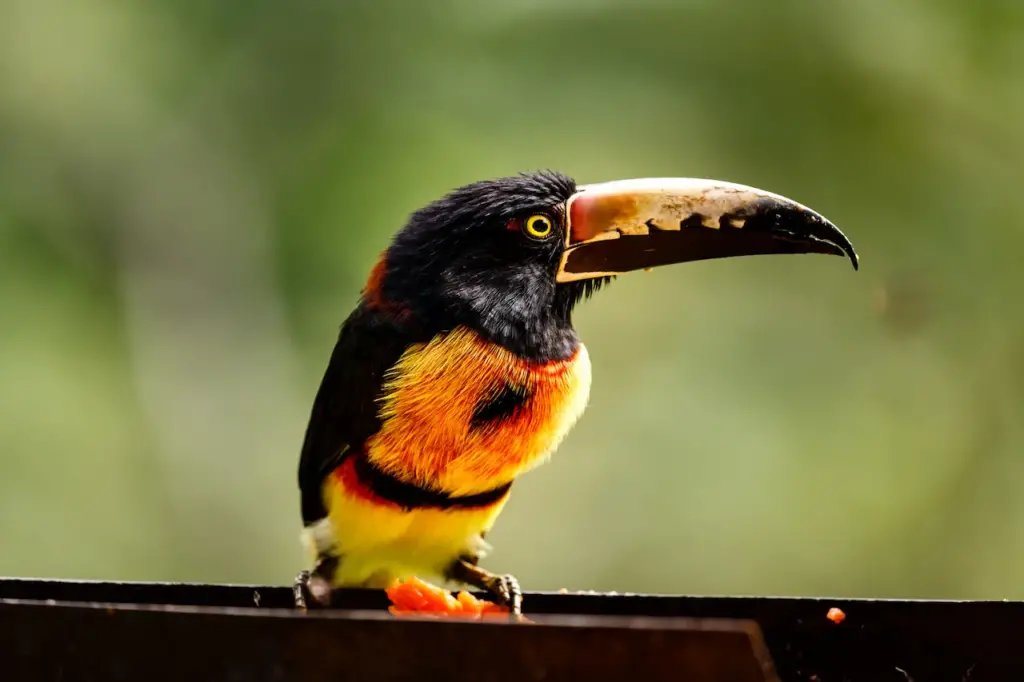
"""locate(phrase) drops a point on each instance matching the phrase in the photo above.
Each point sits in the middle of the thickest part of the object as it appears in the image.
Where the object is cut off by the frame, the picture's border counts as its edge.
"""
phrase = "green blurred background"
(192, 193)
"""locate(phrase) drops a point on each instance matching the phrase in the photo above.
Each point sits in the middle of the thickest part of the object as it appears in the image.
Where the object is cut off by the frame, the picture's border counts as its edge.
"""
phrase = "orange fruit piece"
(414, 597)
(836, 615)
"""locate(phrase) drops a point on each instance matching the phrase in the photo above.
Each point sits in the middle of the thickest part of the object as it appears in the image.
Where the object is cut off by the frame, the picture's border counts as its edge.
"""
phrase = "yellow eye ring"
(538, 226)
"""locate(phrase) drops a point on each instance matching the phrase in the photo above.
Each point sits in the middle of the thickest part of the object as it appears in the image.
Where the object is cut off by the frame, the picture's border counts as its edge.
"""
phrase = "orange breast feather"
(430, 436)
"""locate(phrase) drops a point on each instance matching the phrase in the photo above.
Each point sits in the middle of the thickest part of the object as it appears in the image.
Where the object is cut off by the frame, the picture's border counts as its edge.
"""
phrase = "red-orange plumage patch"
(372, 292)
(347, 476)
(360, 486)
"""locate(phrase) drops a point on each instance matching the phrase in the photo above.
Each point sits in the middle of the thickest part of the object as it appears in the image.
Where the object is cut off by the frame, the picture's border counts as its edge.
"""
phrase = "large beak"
(616, 227)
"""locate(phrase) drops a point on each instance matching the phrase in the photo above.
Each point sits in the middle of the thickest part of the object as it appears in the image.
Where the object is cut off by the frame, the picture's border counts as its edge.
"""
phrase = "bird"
(460, 369)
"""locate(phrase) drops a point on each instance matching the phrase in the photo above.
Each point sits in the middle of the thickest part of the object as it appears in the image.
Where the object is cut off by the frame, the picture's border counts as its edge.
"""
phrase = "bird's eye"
(538, 226)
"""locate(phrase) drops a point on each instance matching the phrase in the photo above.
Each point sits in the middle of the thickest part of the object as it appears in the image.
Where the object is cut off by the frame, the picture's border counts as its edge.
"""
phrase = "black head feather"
(460, 261)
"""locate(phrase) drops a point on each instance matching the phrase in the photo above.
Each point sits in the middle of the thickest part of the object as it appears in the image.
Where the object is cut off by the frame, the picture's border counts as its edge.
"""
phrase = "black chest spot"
(501, 405)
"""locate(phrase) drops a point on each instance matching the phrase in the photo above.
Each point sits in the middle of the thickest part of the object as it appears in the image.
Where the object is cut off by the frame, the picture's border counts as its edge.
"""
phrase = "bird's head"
(511, 257)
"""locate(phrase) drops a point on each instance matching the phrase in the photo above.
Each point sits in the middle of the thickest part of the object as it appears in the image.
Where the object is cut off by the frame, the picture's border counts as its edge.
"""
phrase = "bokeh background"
(192, 193)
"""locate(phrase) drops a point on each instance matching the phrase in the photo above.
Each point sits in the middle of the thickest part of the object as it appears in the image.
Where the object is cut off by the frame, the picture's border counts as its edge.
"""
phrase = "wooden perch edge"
(59, 630)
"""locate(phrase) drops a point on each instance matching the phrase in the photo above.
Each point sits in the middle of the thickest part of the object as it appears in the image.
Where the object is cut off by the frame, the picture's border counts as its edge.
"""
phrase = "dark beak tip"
(844, 251)
(843, 245)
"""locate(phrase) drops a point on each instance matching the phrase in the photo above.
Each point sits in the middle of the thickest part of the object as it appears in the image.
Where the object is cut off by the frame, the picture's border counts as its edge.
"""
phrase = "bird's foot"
(505, 588)
(310, 590)
(507, 591)
(313, 588)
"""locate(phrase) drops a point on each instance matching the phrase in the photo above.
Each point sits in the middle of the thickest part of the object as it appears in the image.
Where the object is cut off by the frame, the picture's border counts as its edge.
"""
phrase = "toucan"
(459, 368)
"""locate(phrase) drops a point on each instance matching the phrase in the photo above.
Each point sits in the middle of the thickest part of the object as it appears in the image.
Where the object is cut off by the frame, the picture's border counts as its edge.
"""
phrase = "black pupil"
(540, 224)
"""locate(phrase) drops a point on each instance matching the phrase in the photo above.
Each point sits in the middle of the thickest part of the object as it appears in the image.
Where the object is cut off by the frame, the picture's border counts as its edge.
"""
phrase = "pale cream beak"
(625, 225)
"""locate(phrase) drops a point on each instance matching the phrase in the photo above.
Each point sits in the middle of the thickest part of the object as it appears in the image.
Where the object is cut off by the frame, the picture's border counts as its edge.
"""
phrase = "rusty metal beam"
(197, 632)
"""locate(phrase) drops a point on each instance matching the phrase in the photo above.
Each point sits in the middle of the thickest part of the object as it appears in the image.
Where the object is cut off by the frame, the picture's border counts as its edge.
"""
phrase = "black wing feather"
(345, 411)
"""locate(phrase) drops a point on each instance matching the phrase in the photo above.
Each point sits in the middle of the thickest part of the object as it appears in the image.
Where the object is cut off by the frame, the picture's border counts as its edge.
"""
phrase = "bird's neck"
(543, 338)
(518, 310)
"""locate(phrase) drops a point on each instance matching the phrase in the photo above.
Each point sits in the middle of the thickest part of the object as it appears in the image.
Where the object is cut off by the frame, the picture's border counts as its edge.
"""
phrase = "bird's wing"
(345, 411)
